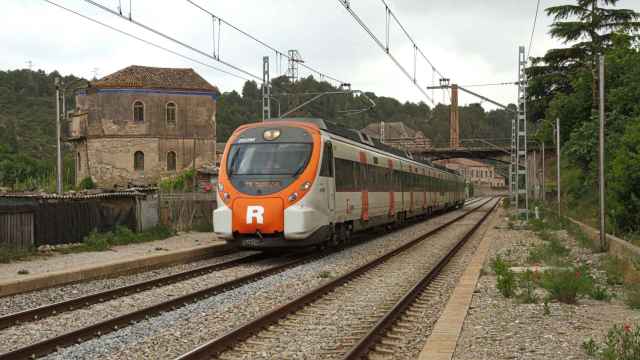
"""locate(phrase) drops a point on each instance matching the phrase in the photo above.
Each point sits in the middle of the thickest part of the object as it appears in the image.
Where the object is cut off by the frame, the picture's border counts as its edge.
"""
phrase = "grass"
(9, 254)
(122, 235)
(632, 297)
(527, 283)
(614, 268)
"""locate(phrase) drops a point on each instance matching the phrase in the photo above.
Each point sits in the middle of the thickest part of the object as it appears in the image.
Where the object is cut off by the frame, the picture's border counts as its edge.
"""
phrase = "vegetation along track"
(314, 312)
(82, 334)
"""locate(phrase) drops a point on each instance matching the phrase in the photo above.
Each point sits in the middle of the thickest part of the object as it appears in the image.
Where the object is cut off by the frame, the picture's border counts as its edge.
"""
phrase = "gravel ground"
(176, 332)
(25, 301)
(499, 328)
(333, 324)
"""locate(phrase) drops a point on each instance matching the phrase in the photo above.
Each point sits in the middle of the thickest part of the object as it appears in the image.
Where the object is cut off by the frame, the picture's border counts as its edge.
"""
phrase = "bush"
(87, 184)
(180, 182)
(551, 252)
(600, 293)
(567, 285)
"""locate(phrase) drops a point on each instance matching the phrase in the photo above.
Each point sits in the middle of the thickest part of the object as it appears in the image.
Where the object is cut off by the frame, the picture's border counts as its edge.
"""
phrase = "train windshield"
(265, 168)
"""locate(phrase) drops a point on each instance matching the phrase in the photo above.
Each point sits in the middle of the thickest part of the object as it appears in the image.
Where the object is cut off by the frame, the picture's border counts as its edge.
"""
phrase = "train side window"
(327, 161)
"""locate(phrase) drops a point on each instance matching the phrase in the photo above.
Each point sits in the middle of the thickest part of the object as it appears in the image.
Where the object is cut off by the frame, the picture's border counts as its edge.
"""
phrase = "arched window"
(171, 161)
(78, 162)
(171, 114)
(138, 161)
(138, 111)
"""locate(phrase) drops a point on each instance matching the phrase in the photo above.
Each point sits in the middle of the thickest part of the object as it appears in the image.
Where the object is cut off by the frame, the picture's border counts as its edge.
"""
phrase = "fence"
(16, 228)
(187, 210)
(27, 221)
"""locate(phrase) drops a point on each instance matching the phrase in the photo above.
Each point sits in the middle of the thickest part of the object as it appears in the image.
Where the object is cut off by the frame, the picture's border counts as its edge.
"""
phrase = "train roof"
(361, 137)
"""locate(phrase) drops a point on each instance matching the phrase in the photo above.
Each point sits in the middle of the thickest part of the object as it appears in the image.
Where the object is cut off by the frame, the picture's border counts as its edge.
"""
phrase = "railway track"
(47, 346)
(369, 300)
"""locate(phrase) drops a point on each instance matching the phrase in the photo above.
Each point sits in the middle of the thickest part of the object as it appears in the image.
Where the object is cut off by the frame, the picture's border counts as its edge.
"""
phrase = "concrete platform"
(441, 345)
(60, 269)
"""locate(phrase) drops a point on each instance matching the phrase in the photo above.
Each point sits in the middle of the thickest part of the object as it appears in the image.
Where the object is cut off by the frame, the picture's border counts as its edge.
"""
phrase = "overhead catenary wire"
(159, 33)
(382, 46)
(186, 57)
(266, 45)
(533, 30)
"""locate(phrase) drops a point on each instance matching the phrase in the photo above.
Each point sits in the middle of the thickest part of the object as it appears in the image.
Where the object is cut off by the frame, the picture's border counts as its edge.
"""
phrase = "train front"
(267, 193)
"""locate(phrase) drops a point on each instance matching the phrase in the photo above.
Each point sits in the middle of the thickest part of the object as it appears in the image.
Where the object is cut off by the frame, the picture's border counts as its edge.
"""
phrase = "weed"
(600, 293)
(614, 268)
(8, 254)
(527, 284)
(506, 283)
(550, 252)
(622, 343)
(590, 347)
(499, 265)
(567, 285)
(23, 272)
(546, 308)
(122, 235)
(324, 274)
(202, 227)
(632, 296)
(87, 183)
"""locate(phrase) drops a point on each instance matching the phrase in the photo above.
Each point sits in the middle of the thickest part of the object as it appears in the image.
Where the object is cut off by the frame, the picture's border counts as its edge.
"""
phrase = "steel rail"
(45, 311)
(237, 335)
(83, 334)
(366, 343)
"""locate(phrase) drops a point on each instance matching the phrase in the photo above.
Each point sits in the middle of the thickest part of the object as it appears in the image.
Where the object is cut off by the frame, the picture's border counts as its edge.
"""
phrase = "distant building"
(475, 172)
(398, 135)
(142, 123)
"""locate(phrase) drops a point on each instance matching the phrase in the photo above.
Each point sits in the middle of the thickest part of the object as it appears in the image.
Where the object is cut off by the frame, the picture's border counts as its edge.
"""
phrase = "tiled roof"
(135, 76)
(464, 162)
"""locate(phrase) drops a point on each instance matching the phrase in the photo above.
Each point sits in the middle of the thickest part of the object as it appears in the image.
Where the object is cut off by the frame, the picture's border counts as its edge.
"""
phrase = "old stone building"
(398, 135)
(142, 123)
(474, 171)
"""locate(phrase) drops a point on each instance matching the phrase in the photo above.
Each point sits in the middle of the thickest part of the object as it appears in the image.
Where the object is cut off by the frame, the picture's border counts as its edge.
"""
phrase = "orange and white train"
(303, 182)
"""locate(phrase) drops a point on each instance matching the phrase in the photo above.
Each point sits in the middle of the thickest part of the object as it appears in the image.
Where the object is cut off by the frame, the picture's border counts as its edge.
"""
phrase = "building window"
(79, 162)
(171, 114)
(138, 111)
(138, 161)
(171, 161)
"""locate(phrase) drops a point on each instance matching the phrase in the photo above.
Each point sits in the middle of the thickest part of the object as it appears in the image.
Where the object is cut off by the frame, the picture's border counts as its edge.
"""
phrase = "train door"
(327, 180)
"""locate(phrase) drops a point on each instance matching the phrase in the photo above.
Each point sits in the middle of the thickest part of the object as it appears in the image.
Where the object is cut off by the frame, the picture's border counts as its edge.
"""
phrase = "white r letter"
(257, 212)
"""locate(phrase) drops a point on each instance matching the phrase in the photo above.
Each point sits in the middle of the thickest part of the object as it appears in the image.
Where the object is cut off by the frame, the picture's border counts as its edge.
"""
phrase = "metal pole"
(544, 194)
(603, 233)
(266, 89)
(58, 144)
(558, 160)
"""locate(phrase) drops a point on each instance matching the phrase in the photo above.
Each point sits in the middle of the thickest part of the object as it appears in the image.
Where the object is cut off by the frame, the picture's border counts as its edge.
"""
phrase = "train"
(303, 182)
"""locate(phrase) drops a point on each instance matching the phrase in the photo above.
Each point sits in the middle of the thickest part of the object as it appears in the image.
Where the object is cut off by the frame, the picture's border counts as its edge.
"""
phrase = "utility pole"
(544, 194)
(603, 230)
(558, 161)
(58, 83)
(266, 89)
(521, 166)
(454, 119)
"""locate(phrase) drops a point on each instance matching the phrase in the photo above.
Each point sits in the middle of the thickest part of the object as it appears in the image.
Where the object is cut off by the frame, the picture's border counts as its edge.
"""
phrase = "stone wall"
(113, 137)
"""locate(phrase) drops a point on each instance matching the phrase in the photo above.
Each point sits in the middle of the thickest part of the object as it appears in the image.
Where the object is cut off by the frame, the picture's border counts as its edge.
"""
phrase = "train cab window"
(327, 161)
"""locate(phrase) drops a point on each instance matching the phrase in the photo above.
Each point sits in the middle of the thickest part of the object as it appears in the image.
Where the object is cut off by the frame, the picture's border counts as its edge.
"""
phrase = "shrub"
(506, 283)
(567, 285)
(614, 268)
(621, 343)
(551, 252)
(499, 265)
(87, 183)
(600, 293)
(527, 284)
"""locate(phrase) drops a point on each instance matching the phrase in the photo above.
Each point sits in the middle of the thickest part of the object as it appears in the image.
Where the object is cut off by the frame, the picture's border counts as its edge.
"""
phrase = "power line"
(533, 30)
(384, 47)
(145, 41)
(266, 45)
(157, 32)
(492, 84)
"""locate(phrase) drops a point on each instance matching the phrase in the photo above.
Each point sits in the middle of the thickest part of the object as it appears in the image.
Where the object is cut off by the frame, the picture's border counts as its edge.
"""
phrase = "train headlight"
(305, 186)
(271, 134)
(293, 197)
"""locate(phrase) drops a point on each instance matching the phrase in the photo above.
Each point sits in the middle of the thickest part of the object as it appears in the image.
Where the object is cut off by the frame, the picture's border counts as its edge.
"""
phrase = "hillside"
(27, 119)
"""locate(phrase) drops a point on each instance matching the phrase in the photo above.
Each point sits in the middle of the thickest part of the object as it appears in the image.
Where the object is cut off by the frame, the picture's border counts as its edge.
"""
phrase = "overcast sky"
(469, 41)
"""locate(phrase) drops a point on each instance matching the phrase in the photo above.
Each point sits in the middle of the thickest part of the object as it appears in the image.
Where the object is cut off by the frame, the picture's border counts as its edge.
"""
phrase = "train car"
(303, 182)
